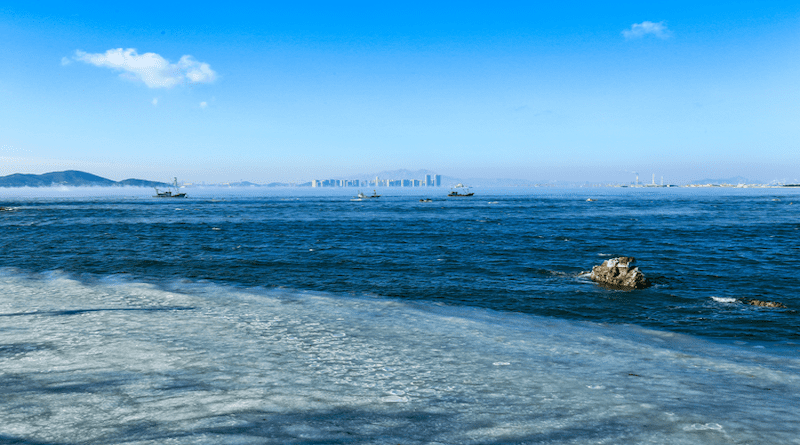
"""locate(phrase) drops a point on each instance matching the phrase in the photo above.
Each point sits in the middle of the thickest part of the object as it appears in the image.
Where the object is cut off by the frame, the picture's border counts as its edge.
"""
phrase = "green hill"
(71, 178)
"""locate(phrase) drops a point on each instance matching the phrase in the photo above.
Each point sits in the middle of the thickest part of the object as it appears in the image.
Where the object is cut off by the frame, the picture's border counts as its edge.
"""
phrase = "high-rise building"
(438, 180)
(428, 181)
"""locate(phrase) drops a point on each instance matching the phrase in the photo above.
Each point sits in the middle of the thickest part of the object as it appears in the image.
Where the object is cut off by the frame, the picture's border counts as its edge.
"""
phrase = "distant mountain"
(71, 178)
(391, 174)
(493, 182)
(404, 174)
(733, 180)
(140, 183)
(243, 184)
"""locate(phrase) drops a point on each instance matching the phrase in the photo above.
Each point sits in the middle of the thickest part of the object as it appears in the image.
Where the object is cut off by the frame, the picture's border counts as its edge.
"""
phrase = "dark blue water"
(501, 250)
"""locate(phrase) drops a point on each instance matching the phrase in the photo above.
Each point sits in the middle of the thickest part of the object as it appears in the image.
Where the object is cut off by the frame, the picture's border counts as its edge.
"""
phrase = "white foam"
(115, 362)
(724, 300)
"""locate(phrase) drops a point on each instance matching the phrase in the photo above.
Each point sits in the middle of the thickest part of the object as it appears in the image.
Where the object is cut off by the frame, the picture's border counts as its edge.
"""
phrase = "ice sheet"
(125, 362)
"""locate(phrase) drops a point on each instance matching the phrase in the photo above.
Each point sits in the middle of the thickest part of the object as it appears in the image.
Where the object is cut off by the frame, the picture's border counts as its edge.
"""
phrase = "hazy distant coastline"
(394, 178)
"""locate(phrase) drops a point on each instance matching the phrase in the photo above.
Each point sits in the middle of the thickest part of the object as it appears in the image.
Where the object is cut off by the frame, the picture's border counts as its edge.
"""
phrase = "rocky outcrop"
(619, 273)
(762, 303)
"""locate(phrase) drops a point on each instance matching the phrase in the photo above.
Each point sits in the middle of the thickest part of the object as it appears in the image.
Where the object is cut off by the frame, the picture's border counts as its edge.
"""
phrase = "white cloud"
(65, 61)
(150, 68)
(155, 101)
(639, 30)
(203, 105)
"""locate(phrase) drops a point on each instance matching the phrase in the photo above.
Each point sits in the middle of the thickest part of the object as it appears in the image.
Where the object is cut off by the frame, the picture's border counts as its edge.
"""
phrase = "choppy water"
(519, 253)
(294, 318)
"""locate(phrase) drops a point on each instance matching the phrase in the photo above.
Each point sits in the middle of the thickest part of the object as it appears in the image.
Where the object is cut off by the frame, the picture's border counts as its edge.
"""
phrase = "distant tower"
(438, 179)
(654, 179)
(662, 180)
(377, 181)
(428, 181)
(637, 179)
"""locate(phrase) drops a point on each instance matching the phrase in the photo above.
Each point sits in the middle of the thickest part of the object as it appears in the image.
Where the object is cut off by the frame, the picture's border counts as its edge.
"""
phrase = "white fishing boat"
(361, 196)
(169, 193)
(460, 190)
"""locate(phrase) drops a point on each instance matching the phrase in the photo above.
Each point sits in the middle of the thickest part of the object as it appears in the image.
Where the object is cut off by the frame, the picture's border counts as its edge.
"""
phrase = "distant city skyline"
(428, 181)
(585, 91)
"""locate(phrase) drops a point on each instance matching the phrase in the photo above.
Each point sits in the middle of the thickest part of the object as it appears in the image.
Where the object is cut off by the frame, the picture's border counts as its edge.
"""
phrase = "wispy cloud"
(639, 30)
(203, 105)
(150, 68)
(155, 101)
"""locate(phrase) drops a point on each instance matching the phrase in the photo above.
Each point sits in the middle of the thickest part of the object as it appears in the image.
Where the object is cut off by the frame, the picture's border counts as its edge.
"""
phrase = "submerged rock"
(620, 273)
(762, 303)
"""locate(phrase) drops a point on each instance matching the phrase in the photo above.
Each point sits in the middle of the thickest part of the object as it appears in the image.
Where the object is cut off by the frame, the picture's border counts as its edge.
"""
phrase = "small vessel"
(361, 196)
(168, 193)
(456, 193)
(426, 200)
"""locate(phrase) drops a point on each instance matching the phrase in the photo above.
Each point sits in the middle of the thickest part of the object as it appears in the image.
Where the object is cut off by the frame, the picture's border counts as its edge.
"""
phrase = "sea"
(303, 316)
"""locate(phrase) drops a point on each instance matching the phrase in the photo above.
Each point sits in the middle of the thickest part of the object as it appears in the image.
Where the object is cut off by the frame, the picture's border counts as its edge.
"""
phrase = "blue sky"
(568, 91)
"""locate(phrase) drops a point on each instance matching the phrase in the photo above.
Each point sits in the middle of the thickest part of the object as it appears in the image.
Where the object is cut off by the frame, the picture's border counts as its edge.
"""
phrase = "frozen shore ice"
(125, 362)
